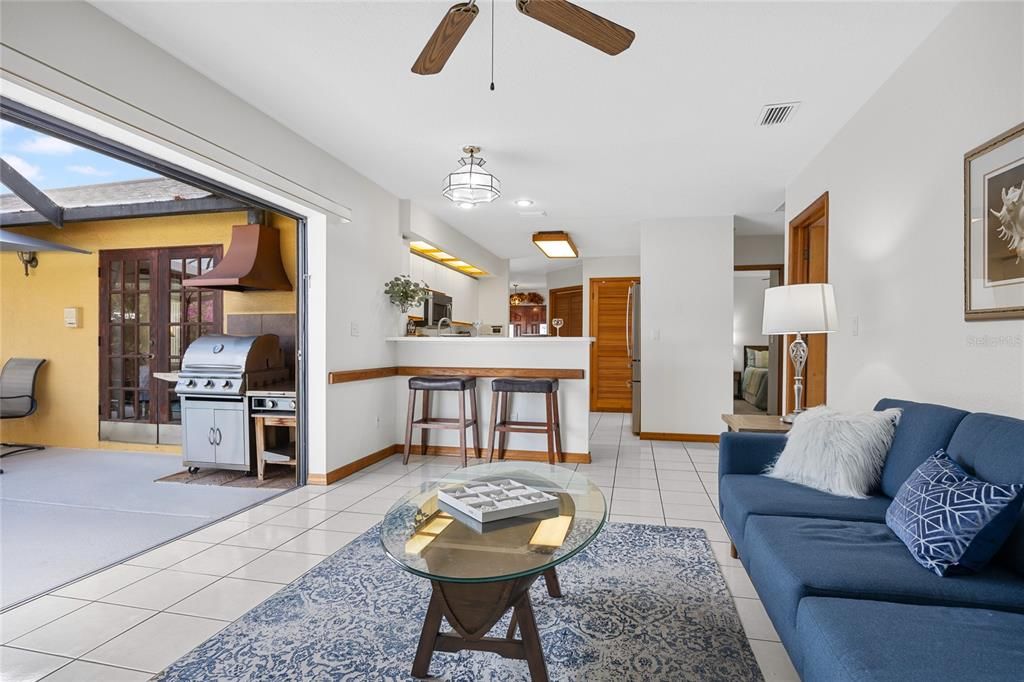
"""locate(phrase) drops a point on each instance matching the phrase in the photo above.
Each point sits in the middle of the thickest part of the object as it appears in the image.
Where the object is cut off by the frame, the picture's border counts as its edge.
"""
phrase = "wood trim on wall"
(347, 376)
(689, 437)
(434, 451)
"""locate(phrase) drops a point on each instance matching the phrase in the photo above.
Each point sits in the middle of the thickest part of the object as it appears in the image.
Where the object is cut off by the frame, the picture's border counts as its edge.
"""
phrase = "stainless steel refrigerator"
(633, 348)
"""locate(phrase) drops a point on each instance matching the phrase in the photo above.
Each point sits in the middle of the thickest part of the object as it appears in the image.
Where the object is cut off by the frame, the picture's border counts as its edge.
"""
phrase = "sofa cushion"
(950, 521)
(923, 429)
(741, 495)
(991, 447)
(853, 640)
(791, 558)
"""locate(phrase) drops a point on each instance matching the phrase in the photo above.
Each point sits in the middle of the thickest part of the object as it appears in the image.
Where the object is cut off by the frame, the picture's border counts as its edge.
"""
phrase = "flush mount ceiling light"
(524, 203)
(556, 244)
(470, 184)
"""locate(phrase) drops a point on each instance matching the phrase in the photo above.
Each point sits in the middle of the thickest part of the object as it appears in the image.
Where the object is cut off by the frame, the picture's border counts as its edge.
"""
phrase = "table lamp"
(799, 309)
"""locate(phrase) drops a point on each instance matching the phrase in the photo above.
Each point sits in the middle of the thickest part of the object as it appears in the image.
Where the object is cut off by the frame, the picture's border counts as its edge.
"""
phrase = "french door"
(147, 320)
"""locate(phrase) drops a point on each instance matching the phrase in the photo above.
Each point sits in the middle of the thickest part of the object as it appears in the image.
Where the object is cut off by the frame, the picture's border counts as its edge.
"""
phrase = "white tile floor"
(134, 619)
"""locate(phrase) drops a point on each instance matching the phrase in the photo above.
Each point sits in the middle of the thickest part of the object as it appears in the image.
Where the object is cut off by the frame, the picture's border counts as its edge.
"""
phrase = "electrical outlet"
(354, 329)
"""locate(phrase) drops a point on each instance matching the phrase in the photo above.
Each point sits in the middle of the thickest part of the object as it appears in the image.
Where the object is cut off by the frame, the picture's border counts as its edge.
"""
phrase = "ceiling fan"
(562, 15)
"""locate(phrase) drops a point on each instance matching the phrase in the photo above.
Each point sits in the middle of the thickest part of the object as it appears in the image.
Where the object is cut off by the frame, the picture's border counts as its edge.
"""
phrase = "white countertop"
(562, 340)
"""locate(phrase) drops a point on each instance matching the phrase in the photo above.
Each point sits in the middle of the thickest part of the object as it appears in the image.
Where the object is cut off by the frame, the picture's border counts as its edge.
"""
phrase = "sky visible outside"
(51, 163)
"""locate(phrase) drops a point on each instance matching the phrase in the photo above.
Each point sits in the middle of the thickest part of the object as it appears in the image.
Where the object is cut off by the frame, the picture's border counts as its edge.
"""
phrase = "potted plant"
(406, 294)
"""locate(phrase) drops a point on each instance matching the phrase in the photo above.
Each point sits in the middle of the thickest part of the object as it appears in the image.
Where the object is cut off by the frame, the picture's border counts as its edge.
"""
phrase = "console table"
(760, 423)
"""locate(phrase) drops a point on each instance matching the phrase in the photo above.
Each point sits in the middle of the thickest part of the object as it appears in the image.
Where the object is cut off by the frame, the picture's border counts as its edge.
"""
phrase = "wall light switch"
(73, 318)
(353, 329)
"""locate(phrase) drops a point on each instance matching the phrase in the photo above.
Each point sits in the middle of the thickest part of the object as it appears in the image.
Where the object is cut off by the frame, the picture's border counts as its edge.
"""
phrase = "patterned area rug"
(641, 603)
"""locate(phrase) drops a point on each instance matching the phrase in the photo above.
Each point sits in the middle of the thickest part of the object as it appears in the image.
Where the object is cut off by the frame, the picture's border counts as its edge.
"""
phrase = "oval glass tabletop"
(438, 541)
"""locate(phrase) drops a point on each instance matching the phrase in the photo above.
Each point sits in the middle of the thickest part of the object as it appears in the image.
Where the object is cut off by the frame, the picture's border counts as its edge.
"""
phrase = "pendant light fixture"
(516, 298)
(470, 184)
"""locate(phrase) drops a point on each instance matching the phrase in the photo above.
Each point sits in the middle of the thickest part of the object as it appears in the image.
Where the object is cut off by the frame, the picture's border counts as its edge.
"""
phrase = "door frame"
(29, 117)
(563, 290)
(798, 255)
(593, 333)
(780, 364)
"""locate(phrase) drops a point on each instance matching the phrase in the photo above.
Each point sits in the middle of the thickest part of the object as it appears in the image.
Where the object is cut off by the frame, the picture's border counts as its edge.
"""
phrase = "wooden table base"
(472, 609)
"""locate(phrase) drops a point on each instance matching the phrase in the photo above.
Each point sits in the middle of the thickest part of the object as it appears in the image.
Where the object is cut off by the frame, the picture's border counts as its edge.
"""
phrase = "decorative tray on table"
(493, 500)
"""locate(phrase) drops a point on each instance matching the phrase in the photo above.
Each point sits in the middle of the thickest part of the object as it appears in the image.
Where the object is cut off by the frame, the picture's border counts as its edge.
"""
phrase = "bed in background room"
(754, 379)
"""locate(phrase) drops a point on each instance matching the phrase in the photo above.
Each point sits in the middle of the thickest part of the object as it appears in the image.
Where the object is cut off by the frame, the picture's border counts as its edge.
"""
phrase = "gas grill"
(216, 371)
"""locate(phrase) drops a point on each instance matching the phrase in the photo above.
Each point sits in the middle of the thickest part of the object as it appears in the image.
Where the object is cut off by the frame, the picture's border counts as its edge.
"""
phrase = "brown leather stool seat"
(525, 385)
(442, 383)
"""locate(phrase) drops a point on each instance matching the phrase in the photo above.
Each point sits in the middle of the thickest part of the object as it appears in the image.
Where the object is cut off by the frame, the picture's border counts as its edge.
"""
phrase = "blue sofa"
(848, 600)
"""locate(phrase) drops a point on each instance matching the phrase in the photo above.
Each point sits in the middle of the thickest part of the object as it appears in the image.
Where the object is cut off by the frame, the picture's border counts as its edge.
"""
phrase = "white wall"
(759, 250)
(494, 297)
(748, 313)
(686, 319)
(611, 266)
(894, 175)
(97, 68)
(566, 277)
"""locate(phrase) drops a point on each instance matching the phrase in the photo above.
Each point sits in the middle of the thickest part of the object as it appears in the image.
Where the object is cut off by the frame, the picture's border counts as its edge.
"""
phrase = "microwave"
(435, 306)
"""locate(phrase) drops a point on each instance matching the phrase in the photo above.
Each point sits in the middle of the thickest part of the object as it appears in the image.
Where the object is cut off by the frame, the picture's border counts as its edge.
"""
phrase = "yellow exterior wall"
(32, 315)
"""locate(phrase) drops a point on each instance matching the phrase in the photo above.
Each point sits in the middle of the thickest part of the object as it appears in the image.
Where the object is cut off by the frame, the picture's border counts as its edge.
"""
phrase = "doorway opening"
(115, 256)
(566, 304)
(757, 359)
(808, 264)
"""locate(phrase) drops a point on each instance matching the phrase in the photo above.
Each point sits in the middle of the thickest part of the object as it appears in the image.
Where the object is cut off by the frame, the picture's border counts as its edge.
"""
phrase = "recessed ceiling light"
(524, 203)
(465, 204)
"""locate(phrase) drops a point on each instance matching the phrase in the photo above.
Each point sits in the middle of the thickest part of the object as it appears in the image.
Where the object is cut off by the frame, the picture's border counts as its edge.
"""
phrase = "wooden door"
(566, 303)
(611, 368)
(147, 319)
(808, 264)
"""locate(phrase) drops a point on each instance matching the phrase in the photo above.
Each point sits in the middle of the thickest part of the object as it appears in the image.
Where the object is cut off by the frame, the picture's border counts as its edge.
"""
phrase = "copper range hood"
(252, 263)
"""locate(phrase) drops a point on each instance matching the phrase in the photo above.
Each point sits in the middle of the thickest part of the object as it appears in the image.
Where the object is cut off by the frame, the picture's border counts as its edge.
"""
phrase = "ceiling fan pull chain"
(492, 45)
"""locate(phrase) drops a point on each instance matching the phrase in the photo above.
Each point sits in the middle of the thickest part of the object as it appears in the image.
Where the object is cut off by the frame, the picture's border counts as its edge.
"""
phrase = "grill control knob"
(208, 383)
(271, 404)
(191, 383)
(291, 404)
(226, 384)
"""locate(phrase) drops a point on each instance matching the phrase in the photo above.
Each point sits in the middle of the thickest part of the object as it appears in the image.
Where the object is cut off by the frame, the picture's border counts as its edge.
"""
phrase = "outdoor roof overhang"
(149, 209)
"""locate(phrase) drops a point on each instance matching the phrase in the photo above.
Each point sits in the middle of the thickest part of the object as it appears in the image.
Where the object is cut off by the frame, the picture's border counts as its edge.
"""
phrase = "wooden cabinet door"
(567, 303)
(611, 368)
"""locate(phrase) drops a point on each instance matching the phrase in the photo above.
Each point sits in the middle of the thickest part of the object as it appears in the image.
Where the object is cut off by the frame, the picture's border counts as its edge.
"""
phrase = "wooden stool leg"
(261, 446)
(408, 424)
(476, 422)
(506, 398)
(424, 433)
(495, 397)
(462, 427)
(558, 428)
(550, 426)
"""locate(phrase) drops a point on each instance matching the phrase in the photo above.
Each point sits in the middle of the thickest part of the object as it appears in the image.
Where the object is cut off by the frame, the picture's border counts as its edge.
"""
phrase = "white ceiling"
(668, 128)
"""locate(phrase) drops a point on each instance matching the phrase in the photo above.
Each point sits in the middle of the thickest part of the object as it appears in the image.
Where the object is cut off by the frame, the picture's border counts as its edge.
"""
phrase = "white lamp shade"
(800, 308)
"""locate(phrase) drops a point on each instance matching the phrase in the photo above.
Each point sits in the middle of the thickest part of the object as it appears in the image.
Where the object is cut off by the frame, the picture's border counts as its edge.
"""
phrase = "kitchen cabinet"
(217, 434)
(528, 320)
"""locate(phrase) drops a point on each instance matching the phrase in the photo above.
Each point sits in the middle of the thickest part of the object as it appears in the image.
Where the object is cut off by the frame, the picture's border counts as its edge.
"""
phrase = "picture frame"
(994, 228)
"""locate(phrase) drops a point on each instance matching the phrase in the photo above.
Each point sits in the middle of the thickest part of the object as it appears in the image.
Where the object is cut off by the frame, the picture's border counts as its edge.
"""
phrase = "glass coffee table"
(479, 571)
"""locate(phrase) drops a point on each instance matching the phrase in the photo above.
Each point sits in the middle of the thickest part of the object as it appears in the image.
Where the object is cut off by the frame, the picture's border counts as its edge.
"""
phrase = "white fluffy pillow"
(838, 453)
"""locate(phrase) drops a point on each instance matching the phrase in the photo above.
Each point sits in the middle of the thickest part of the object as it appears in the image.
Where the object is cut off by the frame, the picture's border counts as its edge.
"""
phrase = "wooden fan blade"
(445, 39)
(581, 24)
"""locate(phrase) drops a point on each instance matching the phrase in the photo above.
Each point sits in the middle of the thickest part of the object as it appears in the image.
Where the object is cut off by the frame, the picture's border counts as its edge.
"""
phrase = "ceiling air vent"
(776, 114)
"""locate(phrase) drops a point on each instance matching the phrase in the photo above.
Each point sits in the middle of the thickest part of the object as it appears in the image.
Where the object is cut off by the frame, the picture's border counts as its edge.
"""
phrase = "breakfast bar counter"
(487, 357)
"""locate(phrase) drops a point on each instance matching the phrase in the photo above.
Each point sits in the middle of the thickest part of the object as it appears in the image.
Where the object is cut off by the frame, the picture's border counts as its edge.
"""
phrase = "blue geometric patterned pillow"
(950, 521)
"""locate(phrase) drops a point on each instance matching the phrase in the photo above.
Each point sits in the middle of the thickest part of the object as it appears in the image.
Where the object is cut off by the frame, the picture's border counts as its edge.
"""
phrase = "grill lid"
(222, 354)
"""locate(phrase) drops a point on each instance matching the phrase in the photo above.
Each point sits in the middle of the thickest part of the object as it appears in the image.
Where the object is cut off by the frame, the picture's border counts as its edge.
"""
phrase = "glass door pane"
(126, 342)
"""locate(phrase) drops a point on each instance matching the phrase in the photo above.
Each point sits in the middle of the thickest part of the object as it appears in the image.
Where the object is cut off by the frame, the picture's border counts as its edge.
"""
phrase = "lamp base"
(788, 419)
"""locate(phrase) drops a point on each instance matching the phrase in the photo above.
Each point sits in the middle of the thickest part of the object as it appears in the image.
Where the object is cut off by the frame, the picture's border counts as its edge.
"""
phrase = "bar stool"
(502, 389)
(429, 384)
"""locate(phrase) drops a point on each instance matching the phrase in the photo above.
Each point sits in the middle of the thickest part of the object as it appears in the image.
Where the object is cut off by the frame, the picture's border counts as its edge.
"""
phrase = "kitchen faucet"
(441, 322)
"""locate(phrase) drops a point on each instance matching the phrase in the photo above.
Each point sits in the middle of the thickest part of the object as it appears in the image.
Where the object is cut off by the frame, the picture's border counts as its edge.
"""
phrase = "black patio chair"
(18, 397)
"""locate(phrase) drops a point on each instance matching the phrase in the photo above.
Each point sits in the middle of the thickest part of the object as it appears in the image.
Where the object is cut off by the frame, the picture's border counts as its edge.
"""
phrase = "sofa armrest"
(748, 453)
